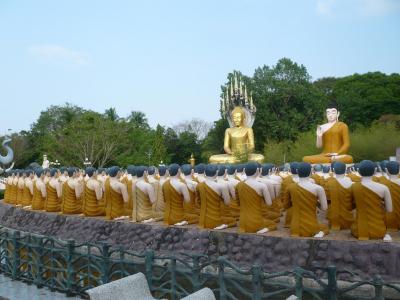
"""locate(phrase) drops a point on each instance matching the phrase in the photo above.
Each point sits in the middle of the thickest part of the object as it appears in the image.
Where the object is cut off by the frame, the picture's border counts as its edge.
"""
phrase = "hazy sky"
(169, 58)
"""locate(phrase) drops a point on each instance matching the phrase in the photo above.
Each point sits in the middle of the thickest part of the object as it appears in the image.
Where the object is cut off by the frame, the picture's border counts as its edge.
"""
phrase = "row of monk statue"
(364, 198)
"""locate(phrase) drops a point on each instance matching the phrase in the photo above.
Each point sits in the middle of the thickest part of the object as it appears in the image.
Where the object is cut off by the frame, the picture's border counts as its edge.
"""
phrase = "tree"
(197, 126)
(138, 119)
(111, 114)
(159, 150)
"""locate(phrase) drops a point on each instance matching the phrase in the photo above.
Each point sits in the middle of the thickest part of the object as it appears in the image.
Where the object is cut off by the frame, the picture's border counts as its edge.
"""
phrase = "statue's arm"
(319, 137)
(251, 139)
(227, 148)
(345, 139)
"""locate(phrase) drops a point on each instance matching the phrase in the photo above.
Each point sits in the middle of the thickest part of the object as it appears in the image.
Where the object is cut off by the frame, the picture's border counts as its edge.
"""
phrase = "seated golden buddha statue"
(238, 141)
(333, 138)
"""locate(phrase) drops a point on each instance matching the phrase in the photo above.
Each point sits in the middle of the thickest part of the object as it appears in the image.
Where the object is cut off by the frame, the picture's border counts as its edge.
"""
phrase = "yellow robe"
(174, 212)
(20, 195)
(159, 205)
(143, 208)
(251, 210)
(53, 203)
(91, 206)
(70, 204)
(304, 218)
(6, 192)
(212, 206)
(27, 197)
(354, 177)
(393, 218)
(128, 206)
(191, 207)
(285, 199)
(335, 140)
(13, 194)
(38, 200)
(115, 202)
(340, 213)
(370, 216)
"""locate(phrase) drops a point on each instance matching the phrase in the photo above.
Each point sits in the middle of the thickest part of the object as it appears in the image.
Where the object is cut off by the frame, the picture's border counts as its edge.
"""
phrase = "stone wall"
(273, 253)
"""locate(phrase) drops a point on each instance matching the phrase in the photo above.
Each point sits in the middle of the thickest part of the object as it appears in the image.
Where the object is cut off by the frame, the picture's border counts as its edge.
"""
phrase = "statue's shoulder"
(343, 125)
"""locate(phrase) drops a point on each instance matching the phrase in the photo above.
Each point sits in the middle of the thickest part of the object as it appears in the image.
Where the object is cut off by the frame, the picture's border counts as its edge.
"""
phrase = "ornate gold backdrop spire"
(235, 94)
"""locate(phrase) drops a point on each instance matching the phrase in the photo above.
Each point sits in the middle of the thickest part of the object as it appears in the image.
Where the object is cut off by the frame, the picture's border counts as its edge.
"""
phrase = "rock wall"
(365, 258)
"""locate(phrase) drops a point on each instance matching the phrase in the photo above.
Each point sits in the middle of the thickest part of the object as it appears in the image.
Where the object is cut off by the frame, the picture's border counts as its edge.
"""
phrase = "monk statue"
(93, 204)
(238, 141)
(39, 191)
(214, 197)
(116, 195)
(340, 213)
(370, 215)
(304, 196)
(71, 193)
(144, 197)
(393, 183)
(176, 194)
(333, 138)
(54, 192)
(253, 197)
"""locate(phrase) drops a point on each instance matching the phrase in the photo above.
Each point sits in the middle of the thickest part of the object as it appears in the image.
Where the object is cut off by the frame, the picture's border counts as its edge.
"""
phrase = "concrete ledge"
(273, 253)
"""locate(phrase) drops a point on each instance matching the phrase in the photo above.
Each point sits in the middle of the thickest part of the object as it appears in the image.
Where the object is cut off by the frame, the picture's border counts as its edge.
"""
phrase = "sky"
(168, 59)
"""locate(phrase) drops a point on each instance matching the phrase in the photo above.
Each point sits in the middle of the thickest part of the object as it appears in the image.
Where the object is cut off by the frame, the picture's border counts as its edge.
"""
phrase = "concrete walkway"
(16, 290)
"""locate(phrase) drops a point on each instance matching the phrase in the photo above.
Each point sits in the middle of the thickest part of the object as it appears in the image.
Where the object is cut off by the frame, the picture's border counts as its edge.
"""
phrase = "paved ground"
(15, 290)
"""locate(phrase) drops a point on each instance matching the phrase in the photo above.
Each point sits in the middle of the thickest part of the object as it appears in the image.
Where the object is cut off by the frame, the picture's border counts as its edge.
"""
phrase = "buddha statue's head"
(238, 116)
(332, 112)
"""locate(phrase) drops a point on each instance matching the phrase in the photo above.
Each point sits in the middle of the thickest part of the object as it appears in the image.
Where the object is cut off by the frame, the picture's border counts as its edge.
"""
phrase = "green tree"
(159, 151)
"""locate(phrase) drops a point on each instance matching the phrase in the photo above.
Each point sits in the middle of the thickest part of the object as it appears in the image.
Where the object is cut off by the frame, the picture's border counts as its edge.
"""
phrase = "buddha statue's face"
(237, 119)
(332, 114)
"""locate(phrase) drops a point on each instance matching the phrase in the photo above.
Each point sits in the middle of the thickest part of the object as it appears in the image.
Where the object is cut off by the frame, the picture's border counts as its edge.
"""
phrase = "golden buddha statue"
(238, 141)
(333, 138)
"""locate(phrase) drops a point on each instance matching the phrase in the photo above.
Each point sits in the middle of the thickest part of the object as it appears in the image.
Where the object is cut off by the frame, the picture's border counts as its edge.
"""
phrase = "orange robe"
(340, 213)
(370, 216)
(13, 194)
(128, 206)
(115, 202)
(70, 204)
(53, 203)
(251, 210)
(26, 197)
(38, 200)
(335, 140)
(212, 206)
(304, 218)
(143, 208)
(6, 193)
(285, 199)
(191, 207)
(393, 218)
(174, 212)
(91, 206)
(354, 177)
(20, 195)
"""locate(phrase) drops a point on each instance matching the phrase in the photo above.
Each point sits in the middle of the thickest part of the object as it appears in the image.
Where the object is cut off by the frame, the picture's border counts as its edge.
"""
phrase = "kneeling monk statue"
(334, 139)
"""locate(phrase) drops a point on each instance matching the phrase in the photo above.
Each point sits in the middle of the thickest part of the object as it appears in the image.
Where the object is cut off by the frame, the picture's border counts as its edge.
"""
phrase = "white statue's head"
(332, 113)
